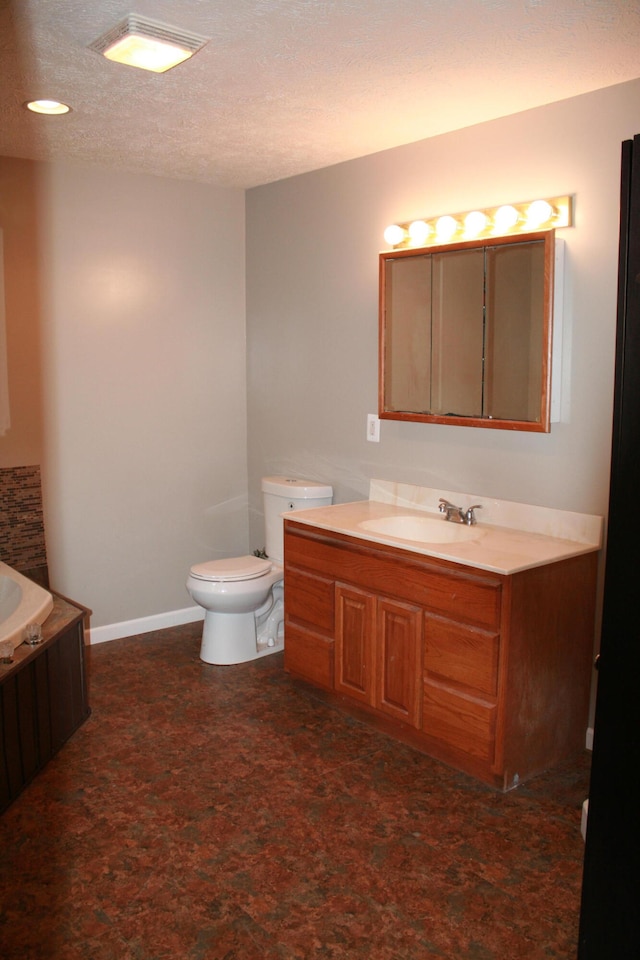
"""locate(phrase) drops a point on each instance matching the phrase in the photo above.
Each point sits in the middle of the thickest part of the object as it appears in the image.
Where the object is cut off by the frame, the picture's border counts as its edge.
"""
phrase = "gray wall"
(141, 293)
(312, 246)
(144, 384)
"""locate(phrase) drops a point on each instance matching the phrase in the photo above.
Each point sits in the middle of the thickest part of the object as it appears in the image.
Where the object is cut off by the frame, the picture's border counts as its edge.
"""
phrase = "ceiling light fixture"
(148, 44)
(491, 222)
(50, 108)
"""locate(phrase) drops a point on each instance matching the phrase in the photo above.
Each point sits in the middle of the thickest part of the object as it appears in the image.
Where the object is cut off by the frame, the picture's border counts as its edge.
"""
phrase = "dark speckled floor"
(223, 812)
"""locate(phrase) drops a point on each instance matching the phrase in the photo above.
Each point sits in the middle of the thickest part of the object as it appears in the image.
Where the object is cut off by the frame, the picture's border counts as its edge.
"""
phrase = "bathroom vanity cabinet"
(43, 699)
(487, 672)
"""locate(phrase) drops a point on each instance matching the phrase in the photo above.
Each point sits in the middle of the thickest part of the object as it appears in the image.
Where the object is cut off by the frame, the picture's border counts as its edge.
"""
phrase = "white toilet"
(244, 596)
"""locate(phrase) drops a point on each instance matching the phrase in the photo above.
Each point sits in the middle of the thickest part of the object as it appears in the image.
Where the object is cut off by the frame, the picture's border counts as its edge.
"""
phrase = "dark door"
(609, 921)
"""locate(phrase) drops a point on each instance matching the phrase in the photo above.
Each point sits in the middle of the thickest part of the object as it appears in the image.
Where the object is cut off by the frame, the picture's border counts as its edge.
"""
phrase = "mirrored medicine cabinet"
(465, 333)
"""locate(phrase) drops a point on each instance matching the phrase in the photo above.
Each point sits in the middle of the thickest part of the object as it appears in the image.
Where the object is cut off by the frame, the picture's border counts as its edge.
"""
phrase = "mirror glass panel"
(465, 333)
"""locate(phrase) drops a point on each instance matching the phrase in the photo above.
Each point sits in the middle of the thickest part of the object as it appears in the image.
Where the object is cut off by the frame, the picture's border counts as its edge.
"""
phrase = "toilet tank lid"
(295, 488)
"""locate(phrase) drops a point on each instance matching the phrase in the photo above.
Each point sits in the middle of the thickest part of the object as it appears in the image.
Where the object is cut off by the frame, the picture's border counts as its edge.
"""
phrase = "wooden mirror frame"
(541, 425)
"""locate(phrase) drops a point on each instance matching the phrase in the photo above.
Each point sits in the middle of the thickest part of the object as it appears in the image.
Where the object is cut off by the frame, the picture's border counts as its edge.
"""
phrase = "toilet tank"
(281, 494)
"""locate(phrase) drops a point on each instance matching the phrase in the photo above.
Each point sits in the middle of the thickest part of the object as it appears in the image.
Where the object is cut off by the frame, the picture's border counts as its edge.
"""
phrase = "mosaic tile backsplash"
(22, 539)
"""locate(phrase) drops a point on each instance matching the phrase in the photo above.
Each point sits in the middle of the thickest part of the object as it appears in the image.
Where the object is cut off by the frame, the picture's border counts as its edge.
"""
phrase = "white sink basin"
(424, 529)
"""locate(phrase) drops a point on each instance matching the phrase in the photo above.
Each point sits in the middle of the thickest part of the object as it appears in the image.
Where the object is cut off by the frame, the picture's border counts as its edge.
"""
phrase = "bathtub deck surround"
(473, 643)
(43, 698)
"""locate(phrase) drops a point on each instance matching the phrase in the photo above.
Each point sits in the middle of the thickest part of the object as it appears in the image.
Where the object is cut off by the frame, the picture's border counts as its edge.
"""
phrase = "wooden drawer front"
(308, 655)
(464, 655)
(462, 599)
(465, 724)
(309, 598)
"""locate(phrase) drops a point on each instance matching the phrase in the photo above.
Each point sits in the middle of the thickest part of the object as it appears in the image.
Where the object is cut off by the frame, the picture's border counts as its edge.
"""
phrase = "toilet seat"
(231, 569)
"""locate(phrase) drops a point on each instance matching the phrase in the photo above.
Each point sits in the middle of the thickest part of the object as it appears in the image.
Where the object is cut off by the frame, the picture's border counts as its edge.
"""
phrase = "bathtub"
(21, 602)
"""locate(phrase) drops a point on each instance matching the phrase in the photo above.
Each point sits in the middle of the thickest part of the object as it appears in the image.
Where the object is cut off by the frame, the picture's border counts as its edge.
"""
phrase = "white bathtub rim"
(35, 605)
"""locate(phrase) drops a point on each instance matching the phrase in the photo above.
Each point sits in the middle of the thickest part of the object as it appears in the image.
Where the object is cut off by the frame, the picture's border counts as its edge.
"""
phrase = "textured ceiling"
(288, 86)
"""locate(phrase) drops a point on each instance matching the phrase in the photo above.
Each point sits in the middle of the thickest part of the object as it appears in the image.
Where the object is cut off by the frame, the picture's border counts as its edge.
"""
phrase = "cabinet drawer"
(465, 655)
(309, 599)
(464, 723)
(308, 655)
(472, 597)
(464, 599)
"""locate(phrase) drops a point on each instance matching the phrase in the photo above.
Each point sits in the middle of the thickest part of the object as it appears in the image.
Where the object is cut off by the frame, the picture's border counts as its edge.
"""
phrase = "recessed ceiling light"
(147, 44)
(52, 108)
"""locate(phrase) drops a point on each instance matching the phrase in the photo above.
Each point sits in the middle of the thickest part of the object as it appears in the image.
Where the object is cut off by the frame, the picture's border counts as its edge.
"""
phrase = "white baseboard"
(129, 628)
(589, 740)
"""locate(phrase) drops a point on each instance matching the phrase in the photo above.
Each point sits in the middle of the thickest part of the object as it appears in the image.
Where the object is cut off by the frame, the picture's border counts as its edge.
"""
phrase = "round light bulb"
(474, 223)
(52, 108)
(446, 227)
(506, 217)
(419, 231)
(394, 235)
(539, 212)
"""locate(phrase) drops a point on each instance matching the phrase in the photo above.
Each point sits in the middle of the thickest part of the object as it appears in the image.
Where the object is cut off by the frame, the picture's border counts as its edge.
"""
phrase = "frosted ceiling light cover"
(148, 44)
(51, 108)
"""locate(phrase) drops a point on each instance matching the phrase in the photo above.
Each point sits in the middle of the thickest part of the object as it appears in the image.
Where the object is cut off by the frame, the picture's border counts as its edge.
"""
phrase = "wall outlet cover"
(373, 428)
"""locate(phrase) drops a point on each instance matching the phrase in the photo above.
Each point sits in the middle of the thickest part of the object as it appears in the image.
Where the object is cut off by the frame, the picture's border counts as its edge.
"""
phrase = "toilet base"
(229, 638)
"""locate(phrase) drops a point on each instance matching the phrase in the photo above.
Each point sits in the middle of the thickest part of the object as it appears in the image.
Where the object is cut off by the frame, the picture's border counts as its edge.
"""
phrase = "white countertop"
(492, 546)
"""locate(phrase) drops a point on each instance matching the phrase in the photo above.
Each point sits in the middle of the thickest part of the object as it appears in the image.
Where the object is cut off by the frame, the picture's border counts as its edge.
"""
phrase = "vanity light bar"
(502, 221)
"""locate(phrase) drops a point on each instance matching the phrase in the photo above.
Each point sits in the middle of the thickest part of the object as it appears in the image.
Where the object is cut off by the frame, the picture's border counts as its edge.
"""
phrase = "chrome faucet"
(458, 514)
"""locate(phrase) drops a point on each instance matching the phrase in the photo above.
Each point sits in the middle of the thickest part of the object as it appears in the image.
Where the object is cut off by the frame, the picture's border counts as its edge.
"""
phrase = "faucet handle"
(470, 516)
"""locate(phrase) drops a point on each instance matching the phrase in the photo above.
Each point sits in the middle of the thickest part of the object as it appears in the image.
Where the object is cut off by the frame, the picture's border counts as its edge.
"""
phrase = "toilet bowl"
(243, 597)
(244, 612)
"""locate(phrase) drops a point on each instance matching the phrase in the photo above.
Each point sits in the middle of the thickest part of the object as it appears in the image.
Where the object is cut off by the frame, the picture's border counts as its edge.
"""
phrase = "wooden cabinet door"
(355, 640)
(67, 678)
(42, 702)
(399, 644)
